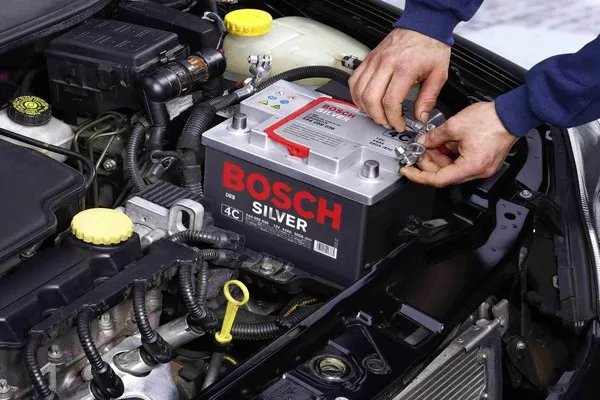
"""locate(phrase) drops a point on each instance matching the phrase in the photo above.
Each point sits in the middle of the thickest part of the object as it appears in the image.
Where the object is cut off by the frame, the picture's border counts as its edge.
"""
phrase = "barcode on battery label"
(325, 249)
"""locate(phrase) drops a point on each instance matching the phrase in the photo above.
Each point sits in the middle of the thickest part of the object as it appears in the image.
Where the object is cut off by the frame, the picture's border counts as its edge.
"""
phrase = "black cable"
(33, 368)
(154, 346)
(314, 71)
(86, 339)
(131, 161)
(189, 236)
(203, 284)
(199, 314)
(140, 312)
(105, 381)
(91, 168)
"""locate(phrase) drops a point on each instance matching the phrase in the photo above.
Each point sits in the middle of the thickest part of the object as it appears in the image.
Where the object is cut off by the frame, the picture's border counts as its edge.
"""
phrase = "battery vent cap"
(102, 226)
(248, 22)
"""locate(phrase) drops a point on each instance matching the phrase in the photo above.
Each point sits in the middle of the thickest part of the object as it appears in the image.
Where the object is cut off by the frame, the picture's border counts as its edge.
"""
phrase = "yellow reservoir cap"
(248, 22)
(102, 226)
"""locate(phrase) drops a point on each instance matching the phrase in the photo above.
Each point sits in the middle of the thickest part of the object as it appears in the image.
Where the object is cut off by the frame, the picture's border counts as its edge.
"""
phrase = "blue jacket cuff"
(515, 113)
(429, 21)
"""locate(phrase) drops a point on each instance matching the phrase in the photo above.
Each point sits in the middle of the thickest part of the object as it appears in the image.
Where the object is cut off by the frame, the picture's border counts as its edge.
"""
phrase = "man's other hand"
(384, 78)
(480, 141)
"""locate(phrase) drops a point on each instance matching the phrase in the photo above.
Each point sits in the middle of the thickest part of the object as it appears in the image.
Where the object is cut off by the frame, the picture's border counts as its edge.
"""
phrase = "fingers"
(430, 90)
(457, 172)
(355, 79)
(373, 92)
(395, 94)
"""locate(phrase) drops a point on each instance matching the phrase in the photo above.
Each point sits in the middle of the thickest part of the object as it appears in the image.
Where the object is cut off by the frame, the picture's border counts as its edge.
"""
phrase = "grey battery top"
(313, 138)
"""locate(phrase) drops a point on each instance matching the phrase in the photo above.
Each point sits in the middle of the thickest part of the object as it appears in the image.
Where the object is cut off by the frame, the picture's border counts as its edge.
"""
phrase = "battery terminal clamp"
(224, 337)
(411, 153)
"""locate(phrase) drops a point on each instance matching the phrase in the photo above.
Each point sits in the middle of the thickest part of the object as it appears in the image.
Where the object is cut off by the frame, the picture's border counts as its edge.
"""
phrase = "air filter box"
(310, 179)
(95, 67)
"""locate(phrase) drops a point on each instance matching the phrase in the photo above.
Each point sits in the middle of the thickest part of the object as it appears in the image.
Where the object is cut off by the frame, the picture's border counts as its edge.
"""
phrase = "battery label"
(333, 128)
(281, 209)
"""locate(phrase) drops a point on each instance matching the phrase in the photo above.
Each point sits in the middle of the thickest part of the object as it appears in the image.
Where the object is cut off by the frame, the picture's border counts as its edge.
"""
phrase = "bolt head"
(521, 345)
(110, 164)
(526, 194)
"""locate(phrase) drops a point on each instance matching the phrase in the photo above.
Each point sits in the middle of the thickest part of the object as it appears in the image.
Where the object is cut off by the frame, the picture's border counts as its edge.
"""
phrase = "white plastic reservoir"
(30, 116)
(291, 41)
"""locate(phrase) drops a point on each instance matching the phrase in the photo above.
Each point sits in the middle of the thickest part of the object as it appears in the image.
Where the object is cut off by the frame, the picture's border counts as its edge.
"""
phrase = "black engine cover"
(35, 188)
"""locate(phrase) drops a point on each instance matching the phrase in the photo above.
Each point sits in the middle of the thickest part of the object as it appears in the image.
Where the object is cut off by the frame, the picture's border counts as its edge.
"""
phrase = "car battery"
(310, 179)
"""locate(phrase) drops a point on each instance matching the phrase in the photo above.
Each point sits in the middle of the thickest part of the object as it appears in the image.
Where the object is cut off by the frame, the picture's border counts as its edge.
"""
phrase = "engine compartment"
(207, 187)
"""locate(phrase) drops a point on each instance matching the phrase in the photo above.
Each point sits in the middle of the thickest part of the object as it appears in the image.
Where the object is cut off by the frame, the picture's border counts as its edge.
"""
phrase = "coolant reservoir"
(291, 41)
(30, 116)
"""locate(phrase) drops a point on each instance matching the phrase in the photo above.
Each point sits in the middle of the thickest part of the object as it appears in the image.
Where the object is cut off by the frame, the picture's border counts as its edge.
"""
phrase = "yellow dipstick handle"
(224, 336)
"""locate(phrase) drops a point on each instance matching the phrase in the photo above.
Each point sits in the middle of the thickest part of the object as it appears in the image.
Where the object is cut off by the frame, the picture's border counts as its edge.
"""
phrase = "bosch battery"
(312, 180)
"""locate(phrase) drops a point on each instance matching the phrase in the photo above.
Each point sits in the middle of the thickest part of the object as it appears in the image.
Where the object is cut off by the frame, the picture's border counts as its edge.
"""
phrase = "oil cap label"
(280, 208)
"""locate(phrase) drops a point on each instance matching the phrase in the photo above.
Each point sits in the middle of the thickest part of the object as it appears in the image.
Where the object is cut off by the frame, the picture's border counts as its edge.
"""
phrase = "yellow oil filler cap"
(102, 226)
(248, 22)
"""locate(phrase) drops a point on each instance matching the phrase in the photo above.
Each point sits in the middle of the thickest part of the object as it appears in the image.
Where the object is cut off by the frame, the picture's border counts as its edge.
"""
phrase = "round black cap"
(29, 111)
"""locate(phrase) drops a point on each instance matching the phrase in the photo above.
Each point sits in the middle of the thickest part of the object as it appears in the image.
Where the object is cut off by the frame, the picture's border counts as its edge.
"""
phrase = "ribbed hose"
(134, 144)
(141, 313)
(189, 143)
(296, 302)
(270, 330)
(202, 284)
(33, 368)
(297, 74)
(195, 309)
(86, 339)
(195, 236)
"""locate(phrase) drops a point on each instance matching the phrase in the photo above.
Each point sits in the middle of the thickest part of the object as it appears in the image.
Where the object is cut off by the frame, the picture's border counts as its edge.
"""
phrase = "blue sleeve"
(563, 91)
(437, 18)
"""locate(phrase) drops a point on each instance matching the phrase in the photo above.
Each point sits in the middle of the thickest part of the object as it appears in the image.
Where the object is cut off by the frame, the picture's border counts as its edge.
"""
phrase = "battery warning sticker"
(326, 126)
(280, 209)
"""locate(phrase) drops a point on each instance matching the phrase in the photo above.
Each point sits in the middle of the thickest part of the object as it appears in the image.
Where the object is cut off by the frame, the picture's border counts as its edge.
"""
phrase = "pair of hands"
(475, 135)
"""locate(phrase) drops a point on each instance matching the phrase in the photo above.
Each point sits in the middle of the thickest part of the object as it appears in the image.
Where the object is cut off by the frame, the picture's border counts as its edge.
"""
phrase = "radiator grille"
(454, 375)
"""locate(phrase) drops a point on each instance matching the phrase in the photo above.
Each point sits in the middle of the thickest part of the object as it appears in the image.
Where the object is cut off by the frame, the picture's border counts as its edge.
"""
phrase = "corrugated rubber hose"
(133, 146)
(86, 339)
(33, 368)
(189, 143)
(140, 312)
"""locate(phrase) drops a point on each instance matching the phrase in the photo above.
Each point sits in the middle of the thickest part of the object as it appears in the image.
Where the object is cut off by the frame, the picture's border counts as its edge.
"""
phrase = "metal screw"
(110, 164)
(526, 194)
(460, 340)
(267, 268)
(484, 396)
(106, 324)
(521, 345)
(55, 352)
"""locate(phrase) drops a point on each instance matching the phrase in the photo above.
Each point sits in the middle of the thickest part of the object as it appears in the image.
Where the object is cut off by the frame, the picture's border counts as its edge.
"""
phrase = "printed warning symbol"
(276, 106)
(264, 102)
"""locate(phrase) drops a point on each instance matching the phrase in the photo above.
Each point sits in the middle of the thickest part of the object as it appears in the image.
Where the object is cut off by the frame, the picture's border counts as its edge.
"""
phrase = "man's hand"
(477, 136)
(382, 81)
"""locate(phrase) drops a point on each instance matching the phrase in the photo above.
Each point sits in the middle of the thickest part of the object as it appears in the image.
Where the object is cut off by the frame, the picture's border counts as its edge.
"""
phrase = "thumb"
(428, 94)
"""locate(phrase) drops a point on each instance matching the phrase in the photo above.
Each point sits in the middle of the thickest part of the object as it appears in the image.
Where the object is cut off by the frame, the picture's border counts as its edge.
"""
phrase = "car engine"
(168, 220)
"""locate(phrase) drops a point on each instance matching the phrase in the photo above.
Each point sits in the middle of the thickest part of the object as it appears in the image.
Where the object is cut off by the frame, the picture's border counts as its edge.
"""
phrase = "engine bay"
(176, 229)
